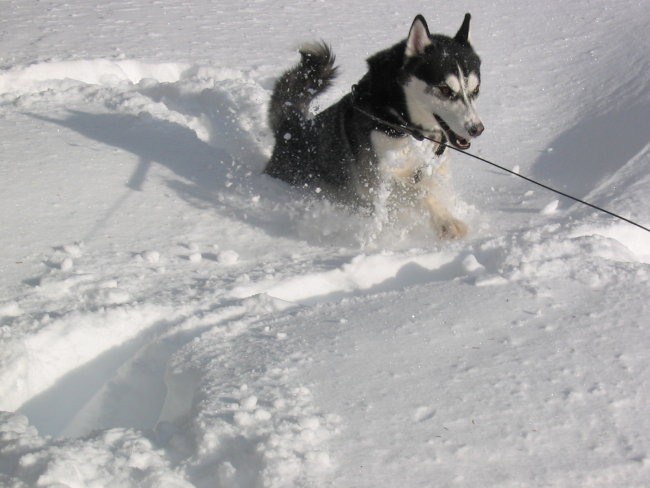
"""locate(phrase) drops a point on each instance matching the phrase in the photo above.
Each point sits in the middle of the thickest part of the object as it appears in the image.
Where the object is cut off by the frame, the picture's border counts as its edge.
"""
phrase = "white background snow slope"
(170, 317)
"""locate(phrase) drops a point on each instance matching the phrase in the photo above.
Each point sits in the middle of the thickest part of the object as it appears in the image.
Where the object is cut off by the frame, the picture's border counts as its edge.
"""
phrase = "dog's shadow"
(228, 163)
(582, 158)
(153, 141)
(221, 115)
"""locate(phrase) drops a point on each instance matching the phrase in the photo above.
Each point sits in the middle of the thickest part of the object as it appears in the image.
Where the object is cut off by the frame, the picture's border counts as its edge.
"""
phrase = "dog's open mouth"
(452, 137)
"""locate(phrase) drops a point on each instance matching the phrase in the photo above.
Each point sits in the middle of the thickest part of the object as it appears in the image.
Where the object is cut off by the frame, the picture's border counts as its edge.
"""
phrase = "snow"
(550, 208)
(169, 317)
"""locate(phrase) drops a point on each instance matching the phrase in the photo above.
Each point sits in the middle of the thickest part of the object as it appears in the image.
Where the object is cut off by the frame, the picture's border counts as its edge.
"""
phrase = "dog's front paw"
(452, 229)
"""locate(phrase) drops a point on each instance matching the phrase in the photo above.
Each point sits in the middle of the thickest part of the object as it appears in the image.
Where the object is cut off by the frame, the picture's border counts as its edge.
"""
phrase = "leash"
(417, 134)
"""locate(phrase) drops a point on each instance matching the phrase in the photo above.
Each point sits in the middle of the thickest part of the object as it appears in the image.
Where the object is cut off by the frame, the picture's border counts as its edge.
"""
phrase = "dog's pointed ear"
(462, 36)
(418, 38)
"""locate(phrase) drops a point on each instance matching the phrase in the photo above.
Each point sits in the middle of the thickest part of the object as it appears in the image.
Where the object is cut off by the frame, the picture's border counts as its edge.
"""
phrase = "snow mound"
(634, 241)
(39, 76)
(369, 273)
(134, 461)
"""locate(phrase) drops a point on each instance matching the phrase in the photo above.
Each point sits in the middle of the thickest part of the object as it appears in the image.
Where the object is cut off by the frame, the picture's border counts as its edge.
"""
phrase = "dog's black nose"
(476, 130)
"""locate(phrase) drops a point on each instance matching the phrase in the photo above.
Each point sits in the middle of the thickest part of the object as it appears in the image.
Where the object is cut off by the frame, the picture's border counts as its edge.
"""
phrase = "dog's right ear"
(418, 38)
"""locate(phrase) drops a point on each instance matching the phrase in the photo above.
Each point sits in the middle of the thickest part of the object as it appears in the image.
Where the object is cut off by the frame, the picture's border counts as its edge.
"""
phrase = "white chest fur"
(406, 159)
(415, 169)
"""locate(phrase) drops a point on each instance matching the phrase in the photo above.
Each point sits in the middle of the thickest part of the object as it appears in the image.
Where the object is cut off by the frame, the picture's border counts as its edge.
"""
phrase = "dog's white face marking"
(420, 101)
(472, 82)
(453, 83)
(454, 102)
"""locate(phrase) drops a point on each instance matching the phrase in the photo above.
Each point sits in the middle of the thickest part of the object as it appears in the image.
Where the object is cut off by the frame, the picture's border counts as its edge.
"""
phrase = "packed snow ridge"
(92, 71)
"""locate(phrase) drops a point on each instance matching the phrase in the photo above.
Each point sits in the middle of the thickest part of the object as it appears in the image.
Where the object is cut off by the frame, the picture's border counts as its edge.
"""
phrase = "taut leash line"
(416, 133)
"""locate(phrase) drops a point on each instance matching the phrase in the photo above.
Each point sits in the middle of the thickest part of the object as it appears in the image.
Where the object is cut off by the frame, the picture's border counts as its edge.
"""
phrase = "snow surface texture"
(170, 317)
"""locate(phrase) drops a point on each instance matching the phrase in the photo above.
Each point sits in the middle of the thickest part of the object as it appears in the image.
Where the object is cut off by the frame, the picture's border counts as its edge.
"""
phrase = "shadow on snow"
(594, 149)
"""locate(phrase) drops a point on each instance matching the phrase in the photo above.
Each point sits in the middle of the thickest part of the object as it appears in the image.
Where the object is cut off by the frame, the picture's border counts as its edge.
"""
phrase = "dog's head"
(441, 82)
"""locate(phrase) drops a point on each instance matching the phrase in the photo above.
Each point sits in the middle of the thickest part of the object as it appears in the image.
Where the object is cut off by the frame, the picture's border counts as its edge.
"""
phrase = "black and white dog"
(426, 83)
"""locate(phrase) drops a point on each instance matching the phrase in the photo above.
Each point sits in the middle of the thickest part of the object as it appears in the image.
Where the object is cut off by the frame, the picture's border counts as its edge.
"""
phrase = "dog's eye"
(446, 91)
(475, 92)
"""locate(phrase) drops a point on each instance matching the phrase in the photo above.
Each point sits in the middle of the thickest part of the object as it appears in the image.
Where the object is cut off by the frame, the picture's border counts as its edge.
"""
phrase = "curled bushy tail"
(297, 87)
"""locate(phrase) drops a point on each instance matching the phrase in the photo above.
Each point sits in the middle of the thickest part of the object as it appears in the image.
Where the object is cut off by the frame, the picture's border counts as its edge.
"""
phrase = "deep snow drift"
(171, 317)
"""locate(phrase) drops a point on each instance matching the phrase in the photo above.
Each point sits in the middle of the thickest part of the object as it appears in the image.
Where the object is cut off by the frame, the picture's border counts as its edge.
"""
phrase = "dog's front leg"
(446, 225)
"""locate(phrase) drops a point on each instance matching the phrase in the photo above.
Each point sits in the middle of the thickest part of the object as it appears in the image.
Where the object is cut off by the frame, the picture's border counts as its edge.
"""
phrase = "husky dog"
(426, 84)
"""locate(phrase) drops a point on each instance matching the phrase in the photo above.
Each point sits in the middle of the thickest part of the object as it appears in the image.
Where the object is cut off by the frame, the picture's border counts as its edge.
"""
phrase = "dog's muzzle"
(453, 138)
(475, 130)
